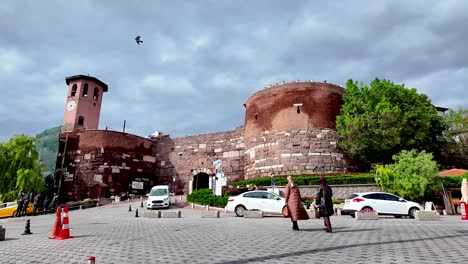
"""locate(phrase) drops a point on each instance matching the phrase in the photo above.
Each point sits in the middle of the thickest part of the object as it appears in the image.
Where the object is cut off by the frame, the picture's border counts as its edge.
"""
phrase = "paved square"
(114, 235)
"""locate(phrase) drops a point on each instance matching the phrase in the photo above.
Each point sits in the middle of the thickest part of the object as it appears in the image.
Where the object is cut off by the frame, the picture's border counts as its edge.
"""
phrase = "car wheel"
(14, 213)
(240, 209)
(412, 212)
(366, 209)
(352, 215)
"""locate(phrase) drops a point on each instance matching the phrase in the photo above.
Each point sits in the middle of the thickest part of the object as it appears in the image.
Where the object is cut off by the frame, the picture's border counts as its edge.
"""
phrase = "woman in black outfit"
(325, 205)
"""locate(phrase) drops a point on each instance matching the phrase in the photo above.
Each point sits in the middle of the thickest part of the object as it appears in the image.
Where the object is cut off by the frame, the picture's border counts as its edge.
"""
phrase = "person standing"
(45, 204)
(19, 207)
(326, 205)
(294, 203)
(53, 202)
(25, 204)
(37, 201)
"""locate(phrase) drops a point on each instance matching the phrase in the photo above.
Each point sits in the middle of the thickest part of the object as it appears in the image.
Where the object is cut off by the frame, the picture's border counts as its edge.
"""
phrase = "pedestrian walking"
(294, 203)
(45, 204)
(25, 204)
(53, 203)
(19, 202)
(324, 202)
(37, 203)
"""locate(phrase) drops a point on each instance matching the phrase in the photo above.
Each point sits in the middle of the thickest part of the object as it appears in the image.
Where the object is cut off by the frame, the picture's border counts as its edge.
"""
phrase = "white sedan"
(382, 202)
(262, 200)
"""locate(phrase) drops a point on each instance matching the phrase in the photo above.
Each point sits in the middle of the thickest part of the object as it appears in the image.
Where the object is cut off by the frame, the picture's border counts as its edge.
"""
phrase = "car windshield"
(158, 192)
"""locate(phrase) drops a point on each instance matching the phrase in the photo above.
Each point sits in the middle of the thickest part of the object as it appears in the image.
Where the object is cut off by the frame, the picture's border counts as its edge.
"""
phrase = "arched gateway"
(200, 179)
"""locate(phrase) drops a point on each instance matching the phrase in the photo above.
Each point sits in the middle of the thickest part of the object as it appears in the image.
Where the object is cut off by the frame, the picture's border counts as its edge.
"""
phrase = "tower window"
(85, 90)
(298, 107)
(256, 116)
(73, 91)
(80, 120)
(96, 94)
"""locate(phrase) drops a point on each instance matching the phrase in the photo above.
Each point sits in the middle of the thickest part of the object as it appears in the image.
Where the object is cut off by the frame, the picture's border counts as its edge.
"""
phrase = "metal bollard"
(136, 213)
(27, 230)
(130, 208)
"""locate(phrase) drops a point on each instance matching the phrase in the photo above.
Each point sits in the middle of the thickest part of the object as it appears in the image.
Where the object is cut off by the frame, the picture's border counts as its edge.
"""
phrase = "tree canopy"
(455, 153)
(457, 121)
(382, 119)
(412, 176)
(19, 168)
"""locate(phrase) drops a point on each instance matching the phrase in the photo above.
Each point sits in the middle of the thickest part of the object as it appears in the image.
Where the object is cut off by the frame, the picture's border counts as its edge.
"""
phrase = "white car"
(265, 201)
(381, 202)
(158, 197)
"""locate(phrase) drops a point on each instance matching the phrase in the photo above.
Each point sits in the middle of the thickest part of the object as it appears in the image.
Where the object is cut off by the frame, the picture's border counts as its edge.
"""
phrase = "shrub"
(453, 181)
(206, 197)
(412, 176)
(337, 201)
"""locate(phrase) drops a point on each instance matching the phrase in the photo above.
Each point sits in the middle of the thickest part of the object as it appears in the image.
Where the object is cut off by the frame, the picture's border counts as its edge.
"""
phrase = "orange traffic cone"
(58, 225)
(65, 232)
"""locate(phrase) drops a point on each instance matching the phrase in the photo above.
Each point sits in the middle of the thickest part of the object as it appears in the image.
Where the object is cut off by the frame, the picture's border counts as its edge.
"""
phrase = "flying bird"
(138, 41)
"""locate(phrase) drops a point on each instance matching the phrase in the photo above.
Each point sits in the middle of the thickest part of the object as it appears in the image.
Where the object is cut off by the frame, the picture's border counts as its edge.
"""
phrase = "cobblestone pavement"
(114, 235)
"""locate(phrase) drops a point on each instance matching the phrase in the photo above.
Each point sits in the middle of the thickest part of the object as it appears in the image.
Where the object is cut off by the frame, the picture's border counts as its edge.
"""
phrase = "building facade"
(289, 129)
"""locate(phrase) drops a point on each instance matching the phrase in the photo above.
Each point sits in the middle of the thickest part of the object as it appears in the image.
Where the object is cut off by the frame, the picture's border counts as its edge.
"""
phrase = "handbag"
(286, 211)
(320, 209)
(317, 212)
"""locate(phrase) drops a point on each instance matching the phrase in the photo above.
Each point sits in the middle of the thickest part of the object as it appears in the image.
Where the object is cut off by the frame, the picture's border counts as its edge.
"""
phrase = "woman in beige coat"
(294, 203)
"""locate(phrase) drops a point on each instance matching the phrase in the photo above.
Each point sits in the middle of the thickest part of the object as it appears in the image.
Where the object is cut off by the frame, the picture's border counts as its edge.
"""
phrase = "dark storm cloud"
(201, 60)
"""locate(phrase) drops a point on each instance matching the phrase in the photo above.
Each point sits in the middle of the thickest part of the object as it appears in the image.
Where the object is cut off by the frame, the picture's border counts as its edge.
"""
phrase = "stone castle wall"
(289, 129)
(292, 152)
(113, 157)
(301, 105)
(340, 192)
(185, 157)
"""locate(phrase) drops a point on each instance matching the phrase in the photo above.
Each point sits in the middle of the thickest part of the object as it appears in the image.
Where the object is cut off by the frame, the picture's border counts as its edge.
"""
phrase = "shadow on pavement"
(332, 248)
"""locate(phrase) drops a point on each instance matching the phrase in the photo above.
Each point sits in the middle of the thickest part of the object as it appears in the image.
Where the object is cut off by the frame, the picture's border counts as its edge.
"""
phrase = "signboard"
(217, 166)
(137, 185)
(219, 180)
(67, 177)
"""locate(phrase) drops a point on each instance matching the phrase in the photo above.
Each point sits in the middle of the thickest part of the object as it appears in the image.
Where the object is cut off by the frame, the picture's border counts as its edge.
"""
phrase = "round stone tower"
(290, 128)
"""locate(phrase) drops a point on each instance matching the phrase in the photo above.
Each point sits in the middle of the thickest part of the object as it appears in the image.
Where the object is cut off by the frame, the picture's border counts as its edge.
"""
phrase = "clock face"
(71, 105)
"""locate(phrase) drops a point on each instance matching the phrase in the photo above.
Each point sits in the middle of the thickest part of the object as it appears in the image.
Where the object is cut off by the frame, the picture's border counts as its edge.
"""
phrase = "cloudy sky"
(201, 60)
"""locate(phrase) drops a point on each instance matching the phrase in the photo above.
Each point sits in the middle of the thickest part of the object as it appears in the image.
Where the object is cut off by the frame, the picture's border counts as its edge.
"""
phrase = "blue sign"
(273, 183)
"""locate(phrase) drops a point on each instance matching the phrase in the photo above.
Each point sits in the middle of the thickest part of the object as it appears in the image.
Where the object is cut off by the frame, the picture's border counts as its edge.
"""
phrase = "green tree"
(19, 168)
(412, 176)
(382, 119)
(457, 121)
(455, 153)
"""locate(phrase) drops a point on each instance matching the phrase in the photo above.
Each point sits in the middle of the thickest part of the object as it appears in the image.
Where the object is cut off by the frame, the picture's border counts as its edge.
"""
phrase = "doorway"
(200, 181)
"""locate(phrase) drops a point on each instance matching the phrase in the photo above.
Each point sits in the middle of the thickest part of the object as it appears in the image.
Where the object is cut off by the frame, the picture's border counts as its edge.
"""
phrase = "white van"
(158, 197)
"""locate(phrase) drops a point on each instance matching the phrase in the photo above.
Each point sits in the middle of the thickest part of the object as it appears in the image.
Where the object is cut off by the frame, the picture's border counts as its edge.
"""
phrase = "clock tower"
(84, 100)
